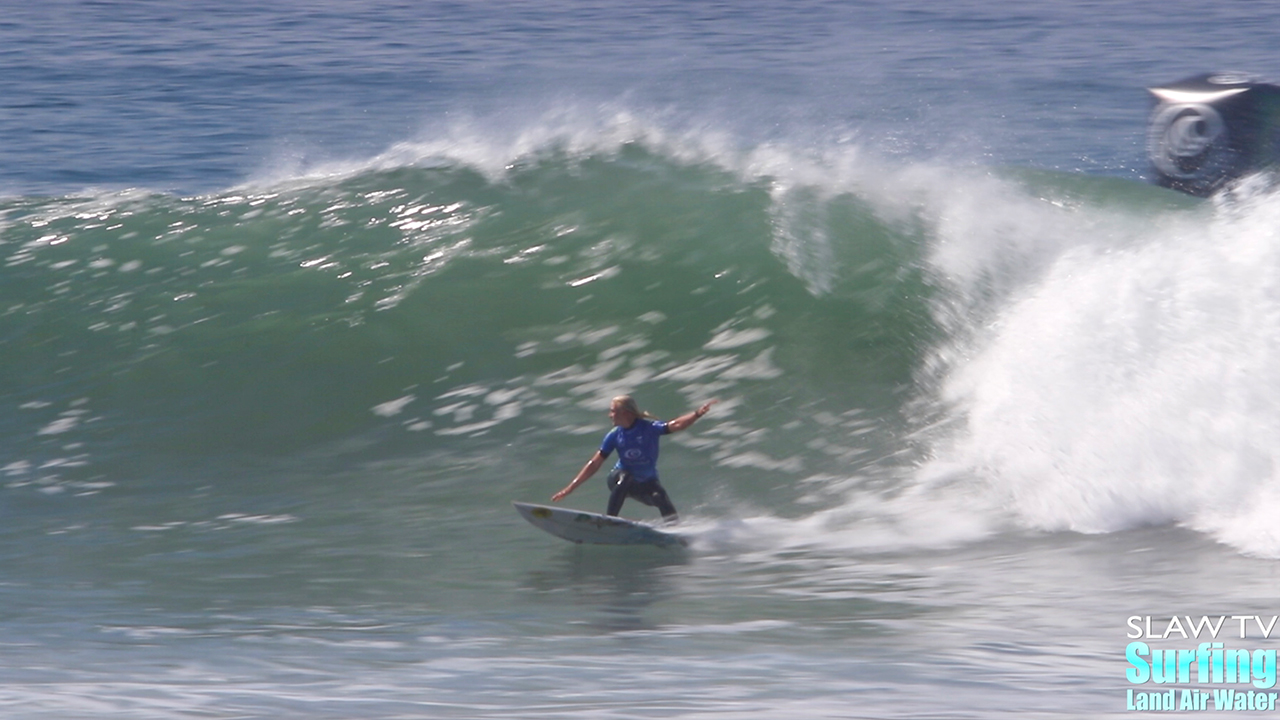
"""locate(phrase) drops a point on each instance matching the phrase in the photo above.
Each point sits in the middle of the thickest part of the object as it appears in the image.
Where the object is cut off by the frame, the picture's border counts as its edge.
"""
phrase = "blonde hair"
(628, 403)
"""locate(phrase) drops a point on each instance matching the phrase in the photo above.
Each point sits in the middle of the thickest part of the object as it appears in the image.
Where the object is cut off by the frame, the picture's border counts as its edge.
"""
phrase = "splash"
(1132, 378)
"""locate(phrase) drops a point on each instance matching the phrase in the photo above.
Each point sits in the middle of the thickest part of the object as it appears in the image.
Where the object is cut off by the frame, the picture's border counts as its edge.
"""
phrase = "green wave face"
(421, 307)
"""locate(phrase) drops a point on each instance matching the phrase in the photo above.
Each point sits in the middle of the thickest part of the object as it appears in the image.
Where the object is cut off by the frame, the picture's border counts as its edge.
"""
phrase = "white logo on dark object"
(633, 454)
(1183, 138)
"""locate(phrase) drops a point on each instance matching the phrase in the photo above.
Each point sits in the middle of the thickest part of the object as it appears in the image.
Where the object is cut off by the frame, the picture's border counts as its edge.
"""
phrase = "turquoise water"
(297, 300)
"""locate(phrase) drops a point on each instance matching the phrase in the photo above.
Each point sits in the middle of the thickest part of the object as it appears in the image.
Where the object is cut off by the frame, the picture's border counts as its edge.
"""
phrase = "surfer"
(635, 436)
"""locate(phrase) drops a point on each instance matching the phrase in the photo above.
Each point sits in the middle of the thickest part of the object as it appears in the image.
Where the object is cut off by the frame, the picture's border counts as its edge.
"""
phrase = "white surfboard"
(580, 526)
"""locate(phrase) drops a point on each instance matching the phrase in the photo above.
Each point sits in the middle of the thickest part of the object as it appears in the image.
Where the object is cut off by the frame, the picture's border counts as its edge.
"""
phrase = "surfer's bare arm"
(583, 475)
(684, 421)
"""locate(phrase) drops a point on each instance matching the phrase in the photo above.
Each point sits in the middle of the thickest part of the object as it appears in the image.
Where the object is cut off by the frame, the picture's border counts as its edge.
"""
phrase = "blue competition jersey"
(637, 447)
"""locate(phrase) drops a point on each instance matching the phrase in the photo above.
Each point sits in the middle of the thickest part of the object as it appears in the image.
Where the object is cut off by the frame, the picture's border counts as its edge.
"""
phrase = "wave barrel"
(1208, 130)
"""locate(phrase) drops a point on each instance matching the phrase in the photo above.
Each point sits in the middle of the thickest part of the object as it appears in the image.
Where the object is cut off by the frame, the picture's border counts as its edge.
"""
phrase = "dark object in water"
(1208, 130)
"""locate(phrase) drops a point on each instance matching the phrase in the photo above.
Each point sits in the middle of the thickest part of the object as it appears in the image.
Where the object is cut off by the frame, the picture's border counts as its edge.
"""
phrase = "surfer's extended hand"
(684, 421)
(587, 471)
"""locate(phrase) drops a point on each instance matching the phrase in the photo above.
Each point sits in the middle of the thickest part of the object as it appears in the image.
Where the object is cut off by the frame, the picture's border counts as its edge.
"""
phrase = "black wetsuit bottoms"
(623, 485)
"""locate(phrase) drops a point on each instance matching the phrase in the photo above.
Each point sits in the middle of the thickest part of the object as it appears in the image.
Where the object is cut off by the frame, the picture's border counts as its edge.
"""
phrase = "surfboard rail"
(581, 526)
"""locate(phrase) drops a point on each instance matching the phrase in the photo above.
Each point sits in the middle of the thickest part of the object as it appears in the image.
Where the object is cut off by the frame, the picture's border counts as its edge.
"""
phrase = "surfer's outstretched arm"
(684, 421)
(583, 475)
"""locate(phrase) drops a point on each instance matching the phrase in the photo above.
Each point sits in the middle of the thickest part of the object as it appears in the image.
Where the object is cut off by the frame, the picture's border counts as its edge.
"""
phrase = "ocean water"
(298, 297)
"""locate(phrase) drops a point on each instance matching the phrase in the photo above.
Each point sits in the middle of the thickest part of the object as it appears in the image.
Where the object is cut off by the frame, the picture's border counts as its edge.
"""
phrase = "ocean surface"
(296, 298)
